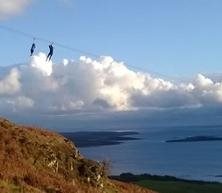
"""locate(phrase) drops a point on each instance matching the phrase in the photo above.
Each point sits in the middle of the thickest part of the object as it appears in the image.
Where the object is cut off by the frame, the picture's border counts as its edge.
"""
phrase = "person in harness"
(51, 49)
(32, 49)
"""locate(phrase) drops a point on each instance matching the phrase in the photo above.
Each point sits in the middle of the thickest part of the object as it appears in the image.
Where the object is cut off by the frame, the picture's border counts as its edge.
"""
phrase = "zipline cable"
(31, 36)
(75, 50)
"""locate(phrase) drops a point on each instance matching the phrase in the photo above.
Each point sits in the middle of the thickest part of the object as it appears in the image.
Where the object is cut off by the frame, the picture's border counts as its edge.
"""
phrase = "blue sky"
(174, 38)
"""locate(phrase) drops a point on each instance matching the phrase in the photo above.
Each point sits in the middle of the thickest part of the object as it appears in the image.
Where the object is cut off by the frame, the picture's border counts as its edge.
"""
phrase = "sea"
(151, 154)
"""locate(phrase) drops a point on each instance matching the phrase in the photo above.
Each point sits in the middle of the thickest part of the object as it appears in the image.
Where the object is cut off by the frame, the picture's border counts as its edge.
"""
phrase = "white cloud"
(10, 84)
(101, 84)
(38, 61)
(12, 7)
(203, 82)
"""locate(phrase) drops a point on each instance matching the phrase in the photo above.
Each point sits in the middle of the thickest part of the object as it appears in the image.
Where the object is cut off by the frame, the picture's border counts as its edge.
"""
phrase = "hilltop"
(40, 161)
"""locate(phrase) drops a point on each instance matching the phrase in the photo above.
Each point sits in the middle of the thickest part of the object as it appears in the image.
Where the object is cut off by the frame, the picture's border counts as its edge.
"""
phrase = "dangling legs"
(31, 52)
(48, 57)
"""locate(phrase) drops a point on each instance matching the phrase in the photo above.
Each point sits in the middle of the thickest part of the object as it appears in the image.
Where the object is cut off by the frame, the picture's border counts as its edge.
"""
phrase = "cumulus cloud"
(12, 7)
(102, 84)
(10, 84)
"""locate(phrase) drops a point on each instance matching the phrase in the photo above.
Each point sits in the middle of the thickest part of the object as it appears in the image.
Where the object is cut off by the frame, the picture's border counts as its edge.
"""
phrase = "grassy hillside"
(35, 160)
(167, 184)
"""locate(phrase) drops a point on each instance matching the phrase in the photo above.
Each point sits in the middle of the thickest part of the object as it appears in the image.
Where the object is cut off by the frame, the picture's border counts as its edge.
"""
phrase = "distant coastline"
(89, 139)
(100, 138)
(195, 139)
(129, 177)
(169, 184)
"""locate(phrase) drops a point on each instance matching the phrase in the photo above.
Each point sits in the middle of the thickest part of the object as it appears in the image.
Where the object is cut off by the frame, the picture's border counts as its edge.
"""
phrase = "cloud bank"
(12, 7)
(102, 84)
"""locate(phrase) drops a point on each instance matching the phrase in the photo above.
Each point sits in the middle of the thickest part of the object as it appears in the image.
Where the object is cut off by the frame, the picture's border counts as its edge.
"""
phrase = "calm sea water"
(193, 160)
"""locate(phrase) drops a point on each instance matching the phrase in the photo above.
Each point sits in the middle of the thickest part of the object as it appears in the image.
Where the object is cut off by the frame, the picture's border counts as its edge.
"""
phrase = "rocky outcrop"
(36, 160)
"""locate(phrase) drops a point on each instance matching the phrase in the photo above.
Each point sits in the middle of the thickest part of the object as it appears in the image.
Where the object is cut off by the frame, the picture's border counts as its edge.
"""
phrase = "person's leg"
(48, 57)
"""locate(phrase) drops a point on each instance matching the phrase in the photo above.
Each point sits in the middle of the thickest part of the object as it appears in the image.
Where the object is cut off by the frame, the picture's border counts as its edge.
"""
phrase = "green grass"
(169, 184)
(180, 187)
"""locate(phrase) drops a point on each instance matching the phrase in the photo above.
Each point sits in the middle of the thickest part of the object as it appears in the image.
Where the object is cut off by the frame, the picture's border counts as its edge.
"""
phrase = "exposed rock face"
(93, 171)
(36, 160)
(38, 149)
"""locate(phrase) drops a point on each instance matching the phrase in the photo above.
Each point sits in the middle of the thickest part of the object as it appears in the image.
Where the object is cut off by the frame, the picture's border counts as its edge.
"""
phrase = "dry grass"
(24, 156)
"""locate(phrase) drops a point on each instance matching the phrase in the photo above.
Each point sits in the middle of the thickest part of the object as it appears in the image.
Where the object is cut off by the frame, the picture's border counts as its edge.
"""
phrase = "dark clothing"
(32, 49)
(51, 49)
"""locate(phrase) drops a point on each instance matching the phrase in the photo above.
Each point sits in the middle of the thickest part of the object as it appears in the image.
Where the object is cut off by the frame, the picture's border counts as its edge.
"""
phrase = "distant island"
(195, 139)
(100, 138)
